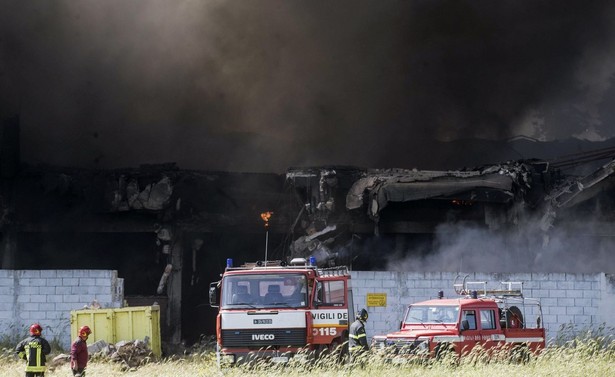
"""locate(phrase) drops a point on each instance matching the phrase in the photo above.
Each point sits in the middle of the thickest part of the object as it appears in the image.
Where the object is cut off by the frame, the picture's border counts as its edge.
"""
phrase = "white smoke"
(579, 247)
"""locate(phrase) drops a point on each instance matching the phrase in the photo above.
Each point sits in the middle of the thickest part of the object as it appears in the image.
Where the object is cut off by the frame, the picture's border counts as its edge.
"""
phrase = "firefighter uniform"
(34, 350)
(357, 338)
(79, 352)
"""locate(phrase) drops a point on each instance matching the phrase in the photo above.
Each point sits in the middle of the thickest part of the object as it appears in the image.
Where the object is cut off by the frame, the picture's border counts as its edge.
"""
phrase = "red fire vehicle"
(272, 310)
(491, 318)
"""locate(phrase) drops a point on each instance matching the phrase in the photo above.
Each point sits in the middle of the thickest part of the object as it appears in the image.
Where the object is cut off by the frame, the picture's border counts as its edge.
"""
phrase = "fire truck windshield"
(269, 290)
(432, 314)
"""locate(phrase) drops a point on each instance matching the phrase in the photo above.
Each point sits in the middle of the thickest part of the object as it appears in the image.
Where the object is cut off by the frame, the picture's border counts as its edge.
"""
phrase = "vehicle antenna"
(266, 216)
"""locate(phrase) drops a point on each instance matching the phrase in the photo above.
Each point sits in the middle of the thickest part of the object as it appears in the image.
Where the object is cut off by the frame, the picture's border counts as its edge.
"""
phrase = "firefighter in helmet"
(79, 352)
(357, 339)
(34, 350)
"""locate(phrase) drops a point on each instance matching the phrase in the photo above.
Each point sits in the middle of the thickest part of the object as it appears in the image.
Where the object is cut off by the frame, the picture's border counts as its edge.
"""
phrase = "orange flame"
(266, 216)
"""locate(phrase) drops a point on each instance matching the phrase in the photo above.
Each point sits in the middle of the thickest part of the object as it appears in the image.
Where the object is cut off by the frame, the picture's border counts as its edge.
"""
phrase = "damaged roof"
(532, 182)
(495, 184)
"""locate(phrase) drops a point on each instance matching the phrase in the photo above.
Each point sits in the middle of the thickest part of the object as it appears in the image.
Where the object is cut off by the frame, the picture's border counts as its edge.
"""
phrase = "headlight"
(227, 359)
(378, 342)
(301, 357)
(423, 346)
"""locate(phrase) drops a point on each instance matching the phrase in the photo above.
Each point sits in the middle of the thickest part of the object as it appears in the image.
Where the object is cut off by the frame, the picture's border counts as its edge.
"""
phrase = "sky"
(265, 85)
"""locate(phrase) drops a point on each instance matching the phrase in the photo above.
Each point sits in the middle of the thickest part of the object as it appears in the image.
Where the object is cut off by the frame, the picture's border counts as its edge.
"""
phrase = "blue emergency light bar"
(312, 261)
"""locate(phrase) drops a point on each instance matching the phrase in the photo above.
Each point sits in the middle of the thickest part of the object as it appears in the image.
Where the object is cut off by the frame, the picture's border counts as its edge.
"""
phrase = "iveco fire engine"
(490, 318)
(272, 310)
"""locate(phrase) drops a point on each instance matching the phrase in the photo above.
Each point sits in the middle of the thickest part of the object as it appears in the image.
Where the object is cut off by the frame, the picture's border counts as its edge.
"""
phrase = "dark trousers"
(358, 356)
(35, 374)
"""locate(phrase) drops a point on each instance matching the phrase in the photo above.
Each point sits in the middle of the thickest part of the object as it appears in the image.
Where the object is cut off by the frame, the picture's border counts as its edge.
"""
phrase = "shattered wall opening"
(150, 224)
(203, 265)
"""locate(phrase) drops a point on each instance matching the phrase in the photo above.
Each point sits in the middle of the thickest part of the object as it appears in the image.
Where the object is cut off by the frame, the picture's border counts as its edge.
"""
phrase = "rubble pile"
(206, 344)
(58, 361)
(131, 354)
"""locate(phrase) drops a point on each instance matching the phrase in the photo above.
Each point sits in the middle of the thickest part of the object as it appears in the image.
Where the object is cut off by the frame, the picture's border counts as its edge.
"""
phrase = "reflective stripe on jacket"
(357, 338)
(33, 350)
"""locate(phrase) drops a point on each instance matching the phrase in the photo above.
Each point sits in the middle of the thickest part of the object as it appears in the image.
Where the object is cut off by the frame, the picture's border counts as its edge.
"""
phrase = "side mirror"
(213, 294)
(465, 325)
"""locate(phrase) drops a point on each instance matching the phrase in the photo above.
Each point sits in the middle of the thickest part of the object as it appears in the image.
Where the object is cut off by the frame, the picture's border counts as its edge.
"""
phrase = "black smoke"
(264, 85)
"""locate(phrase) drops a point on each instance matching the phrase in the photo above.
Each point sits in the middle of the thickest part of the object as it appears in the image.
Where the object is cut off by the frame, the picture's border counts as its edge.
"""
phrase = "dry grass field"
(590, 357)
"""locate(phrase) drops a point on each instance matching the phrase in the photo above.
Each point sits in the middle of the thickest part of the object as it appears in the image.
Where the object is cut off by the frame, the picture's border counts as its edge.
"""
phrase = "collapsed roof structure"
(402, 201)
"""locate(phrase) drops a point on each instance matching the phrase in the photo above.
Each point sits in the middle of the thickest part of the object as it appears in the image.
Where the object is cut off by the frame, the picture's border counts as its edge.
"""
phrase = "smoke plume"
(264, 85)
(579, 247)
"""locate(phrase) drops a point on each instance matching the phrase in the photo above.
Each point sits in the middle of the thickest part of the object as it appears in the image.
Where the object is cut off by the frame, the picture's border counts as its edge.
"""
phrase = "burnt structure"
(166, 231)
(169, 231)
(521, 202)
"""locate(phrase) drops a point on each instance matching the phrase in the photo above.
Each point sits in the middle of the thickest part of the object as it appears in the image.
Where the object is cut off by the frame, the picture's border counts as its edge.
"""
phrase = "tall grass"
(589, 356)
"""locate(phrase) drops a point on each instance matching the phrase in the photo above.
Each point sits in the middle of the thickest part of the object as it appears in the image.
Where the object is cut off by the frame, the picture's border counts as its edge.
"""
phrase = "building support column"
(8, 248)
(174, 290)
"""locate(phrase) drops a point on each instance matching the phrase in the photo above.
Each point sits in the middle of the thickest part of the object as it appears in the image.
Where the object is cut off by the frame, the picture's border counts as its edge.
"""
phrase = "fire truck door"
(489, 332)
(330, 312)
(470, 330)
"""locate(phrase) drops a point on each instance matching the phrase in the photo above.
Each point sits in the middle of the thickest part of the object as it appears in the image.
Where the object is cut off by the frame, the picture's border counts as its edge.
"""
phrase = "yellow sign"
(376, 299)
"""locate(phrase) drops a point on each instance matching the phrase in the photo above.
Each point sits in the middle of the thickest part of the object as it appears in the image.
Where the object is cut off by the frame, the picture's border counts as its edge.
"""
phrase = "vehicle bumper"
(228, 356)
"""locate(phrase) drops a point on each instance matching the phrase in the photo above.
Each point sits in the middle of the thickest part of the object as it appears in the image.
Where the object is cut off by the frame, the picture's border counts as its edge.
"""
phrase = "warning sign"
(376, 299)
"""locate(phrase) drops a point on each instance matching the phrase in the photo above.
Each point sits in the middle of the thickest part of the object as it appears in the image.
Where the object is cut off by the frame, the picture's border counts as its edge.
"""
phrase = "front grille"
(403, 346)
(259, 338)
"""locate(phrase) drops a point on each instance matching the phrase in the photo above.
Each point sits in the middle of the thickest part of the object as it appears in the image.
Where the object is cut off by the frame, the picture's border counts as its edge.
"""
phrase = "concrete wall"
(48, 296)
(571, 300)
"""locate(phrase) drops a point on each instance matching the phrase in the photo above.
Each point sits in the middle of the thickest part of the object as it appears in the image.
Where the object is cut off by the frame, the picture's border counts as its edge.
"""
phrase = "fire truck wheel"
(333, 347)
(334, 350)
(445, 352)
(340, 349)
(520, 354)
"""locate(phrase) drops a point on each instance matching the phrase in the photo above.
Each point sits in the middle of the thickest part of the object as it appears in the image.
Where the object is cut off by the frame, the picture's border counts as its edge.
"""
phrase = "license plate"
(279, 359)
(399, 360)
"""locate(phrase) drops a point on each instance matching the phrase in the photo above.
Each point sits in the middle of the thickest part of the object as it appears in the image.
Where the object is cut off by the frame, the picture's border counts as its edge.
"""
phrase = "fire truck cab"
(270, 310)
(490, 318)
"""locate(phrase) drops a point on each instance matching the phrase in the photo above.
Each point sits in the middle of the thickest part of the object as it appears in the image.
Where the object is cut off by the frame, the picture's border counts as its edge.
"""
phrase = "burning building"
(168, 231)
(530, 208)
(263, 86)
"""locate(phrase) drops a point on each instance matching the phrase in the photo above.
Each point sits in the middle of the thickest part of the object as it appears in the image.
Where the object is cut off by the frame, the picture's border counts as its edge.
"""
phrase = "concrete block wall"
(578, 300)
(48, 296)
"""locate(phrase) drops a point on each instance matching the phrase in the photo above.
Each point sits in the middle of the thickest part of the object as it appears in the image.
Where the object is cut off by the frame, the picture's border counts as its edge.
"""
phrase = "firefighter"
(79, 352)
(34, 350)
(357, 339)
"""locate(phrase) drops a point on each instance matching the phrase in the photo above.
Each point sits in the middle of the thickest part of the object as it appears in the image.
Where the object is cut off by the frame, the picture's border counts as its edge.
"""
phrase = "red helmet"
(84, 331)
(36, 329)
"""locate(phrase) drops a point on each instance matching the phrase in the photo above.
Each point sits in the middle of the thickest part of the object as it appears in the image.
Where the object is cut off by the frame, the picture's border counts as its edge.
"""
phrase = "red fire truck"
(272, 310)
(491, 318)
